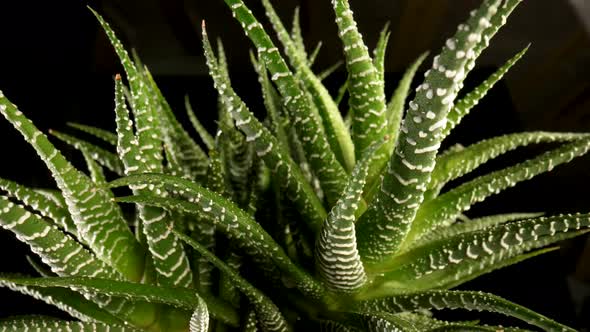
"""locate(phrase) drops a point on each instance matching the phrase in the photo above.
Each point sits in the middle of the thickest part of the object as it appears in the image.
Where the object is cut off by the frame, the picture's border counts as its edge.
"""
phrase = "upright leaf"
(384, 226)
(367, 97)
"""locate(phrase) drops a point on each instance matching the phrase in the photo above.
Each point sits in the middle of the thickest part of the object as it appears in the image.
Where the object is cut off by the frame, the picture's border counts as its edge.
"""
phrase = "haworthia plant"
(334, 223)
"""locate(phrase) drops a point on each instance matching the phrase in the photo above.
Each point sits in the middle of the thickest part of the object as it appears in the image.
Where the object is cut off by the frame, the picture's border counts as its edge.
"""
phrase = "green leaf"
(105, 135)
(449, 261)
(41, 204)
(66, 256)
(459, 300)
(95, 170)
(336, 254)
(237, 224)
(297, 35)
(269, 149)
(268, 314)
(203, 133)
(335, 130)
(327, 72)
(385, 225)
(395, 107)
(104, 157)
(454, 164)
(472, 226)
(98, 219)
(52, 324)
(66, 300)
(465, 105)
(443, 210)
(300, 108)
(367, 98)
(200, 318)
(168, 256)
(379, 52)
(176, 296)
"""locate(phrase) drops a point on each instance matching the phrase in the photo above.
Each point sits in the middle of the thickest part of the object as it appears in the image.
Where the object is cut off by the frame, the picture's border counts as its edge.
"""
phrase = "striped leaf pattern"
(385, 225)
(312, 136)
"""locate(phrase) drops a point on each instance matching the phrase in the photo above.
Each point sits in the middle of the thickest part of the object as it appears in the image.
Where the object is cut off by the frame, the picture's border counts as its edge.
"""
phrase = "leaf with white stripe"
(385, 225)
(237, 224)
(268, 148)
(99, 221)
(179, 297)
(66, 257)
(380, 50)
(41, 204)
(443, 210)
(66, 300)
(301, 113)
(17, 324)
(200, 318)
(336, 255)
(367, 96)
(459, 300)
(455, 164)
(450, 261)
(104, 157)
(465, 104)
(268, 314)
(335, 130)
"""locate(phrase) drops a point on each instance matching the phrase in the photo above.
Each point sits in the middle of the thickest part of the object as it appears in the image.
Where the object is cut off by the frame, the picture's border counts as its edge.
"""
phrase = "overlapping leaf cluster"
(305, 218)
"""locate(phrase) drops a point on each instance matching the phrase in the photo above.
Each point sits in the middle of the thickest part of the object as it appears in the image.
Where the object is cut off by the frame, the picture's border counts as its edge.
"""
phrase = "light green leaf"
(379, 52)
(367, 98)
(385, 225)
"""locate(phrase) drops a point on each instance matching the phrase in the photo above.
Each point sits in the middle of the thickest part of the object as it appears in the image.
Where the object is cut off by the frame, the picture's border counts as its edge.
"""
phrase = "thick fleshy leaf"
(337, 258)
(51, 324)
(367, 97)
(383, 228)
(466, 103)
(268, 314)
(104, 157)
(459, 300)
(303, 117)
(169, 258)
(98, 219)
(268, 148)
(104, 135)
(443, 210)
(454, 164)
(228, 218)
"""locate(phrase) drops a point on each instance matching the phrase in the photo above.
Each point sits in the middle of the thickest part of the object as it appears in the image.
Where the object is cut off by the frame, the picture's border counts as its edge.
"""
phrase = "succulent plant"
(333, 222)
